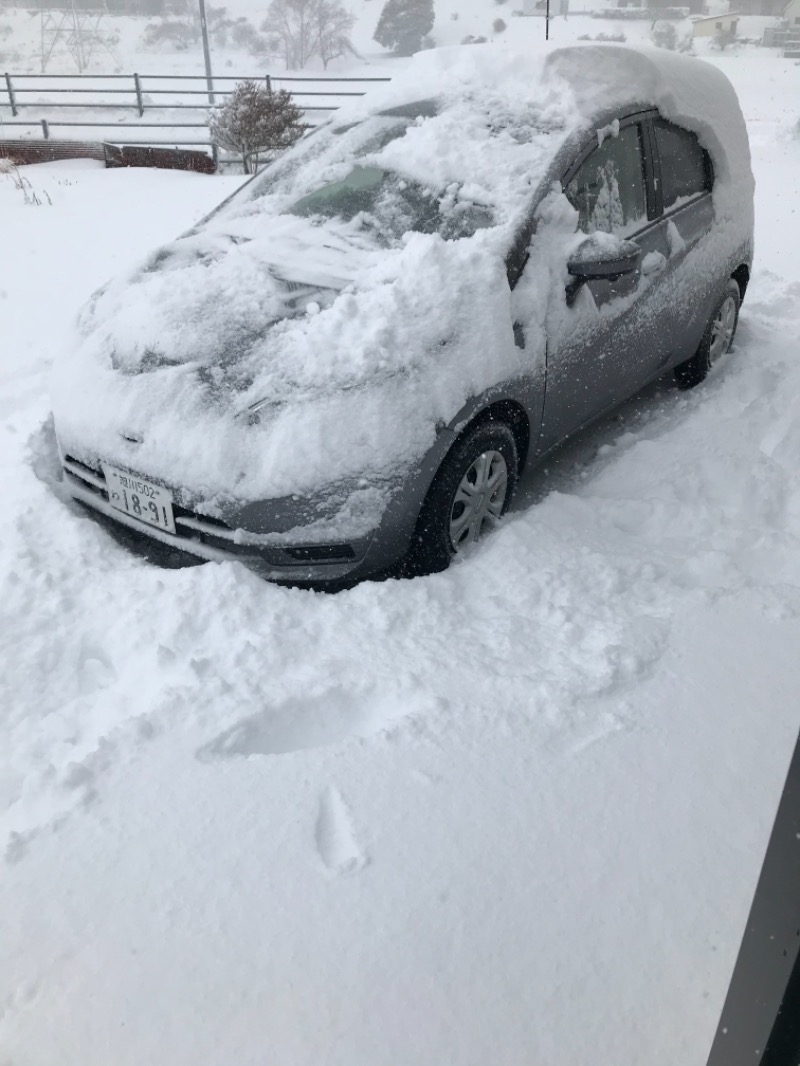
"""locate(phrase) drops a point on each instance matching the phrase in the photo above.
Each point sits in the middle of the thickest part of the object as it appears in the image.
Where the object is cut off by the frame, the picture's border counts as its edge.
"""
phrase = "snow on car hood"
(356, 343)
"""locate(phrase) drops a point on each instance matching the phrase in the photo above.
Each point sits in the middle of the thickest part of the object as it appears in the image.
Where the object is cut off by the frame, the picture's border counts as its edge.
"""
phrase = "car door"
(619, 332)
(683, 182)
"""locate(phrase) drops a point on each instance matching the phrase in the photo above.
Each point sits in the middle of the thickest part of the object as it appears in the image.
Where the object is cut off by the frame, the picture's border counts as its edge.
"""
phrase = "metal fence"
(787, 38)
(174, 102)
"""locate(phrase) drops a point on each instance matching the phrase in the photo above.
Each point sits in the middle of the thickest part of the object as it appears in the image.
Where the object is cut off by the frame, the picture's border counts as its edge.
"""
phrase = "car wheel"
(470, 493)
(716, 341)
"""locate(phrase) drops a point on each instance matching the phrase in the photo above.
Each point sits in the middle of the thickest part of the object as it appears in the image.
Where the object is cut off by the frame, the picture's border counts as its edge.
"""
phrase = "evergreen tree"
(403, 24)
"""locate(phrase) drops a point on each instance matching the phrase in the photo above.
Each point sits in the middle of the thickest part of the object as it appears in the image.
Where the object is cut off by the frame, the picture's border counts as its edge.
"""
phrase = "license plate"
(138, 498)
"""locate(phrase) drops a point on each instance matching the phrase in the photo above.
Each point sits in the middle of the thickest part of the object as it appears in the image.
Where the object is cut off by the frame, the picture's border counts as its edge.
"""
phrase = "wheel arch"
(741, 276)
(508, 412)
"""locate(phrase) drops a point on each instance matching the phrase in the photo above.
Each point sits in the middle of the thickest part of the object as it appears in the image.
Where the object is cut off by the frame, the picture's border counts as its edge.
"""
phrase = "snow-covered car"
(350, 361)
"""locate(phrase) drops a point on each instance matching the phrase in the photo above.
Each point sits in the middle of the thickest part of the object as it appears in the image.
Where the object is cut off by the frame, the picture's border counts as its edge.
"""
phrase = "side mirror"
(601, 256)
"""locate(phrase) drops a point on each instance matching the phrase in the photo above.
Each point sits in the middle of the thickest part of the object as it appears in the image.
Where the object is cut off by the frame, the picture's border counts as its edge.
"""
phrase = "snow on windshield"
(356, 339)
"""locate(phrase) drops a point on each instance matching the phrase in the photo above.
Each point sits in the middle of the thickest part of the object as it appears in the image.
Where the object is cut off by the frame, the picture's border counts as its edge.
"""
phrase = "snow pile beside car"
(354, 344)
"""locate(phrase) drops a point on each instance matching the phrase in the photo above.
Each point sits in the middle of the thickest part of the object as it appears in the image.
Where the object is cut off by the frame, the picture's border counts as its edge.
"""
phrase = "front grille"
(204, 519)
(89, 477)
(202, 527)
(197, 528)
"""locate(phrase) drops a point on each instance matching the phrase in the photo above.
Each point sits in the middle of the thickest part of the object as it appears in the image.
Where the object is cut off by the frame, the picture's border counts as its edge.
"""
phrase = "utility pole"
(206, 52)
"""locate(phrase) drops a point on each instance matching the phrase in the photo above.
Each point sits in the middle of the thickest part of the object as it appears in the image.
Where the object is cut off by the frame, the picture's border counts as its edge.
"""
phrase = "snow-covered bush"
(722, 38)
(29, 195)
(177, 34)
(471, 39)
(674, 36)
(245, 36)
(256, 121)
(403, 24)
(664, 35)
(499, 26)
(615, 38)
(300, 29)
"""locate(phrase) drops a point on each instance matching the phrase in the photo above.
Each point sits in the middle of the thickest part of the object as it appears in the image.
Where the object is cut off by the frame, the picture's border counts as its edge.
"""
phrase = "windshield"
(391, 205)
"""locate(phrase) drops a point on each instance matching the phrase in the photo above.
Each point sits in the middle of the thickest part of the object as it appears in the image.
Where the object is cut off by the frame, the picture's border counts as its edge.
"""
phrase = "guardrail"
(136, 93)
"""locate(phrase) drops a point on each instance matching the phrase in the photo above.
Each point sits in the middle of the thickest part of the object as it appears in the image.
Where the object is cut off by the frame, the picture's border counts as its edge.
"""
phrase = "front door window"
(608, 189)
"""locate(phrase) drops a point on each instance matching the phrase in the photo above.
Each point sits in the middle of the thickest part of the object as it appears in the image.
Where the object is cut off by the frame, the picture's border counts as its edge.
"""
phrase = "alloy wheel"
(479, 499)
(722, 329)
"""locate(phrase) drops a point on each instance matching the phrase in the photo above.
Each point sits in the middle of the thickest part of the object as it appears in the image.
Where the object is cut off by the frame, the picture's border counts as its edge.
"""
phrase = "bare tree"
(290, 22)
(332, 26)
(255, 121)
(305, 28)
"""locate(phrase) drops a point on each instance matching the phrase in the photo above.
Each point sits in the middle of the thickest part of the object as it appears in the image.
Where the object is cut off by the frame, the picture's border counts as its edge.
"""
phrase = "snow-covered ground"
(512, 814)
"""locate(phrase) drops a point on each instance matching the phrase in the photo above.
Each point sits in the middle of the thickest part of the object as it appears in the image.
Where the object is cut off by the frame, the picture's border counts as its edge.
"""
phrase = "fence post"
(139, 101)
(269, 83)
(11, 98)
(45, 129)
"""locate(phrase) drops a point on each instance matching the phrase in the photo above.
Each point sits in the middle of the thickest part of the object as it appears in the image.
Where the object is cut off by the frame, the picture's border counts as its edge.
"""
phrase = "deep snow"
(512, 813)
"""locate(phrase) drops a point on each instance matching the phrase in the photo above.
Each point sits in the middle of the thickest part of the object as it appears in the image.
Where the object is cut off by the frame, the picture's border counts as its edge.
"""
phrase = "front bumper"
(211, 540)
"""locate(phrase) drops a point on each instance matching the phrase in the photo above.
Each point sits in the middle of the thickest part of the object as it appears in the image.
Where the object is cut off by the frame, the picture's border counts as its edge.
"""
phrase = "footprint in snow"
(335, 836)
(300, 723)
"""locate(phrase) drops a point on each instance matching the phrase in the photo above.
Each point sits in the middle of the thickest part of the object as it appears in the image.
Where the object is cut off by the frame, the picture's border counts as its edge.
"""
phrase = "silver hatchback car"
(348, 363)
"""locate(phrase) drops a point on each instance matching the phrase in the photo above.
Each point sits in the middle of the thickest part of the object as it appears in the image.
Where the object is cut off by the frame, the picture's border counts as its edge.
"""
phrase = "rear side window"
(608, 189)
(685, 166)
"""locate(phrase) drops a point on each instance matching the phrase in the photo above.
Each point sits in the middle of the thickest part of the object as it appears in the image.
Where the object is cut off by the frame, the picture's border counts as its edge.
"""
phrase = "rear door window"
(608, 188)
(685, 165)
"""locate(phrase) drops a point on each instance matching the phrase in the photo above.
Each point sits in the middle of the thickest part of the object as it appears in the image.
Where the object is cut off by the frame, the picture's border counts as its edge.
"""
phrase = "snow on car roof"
(357, 384)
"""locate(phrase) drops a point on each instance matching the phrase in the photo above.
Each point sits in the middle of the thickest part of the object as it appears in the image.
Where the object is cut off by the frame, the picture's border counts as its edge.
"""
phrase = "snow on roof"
(358, 385)
(717, 18)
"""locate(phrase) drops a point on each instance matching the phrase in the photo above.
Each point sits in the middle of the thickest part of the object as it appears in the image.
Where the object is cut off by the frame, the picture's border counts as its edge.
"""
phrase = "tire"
(716, 342)
(462, 503)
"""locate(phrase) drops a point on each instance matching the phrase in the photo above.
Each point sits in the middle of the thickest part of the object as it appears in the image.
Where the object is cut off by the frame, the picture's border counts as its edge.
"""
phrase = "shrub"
(255, 121)
(672, 36)
(722, 38)
(665, 35)
(245, 36)
(499, 26)
(176, 33)
(617, 38)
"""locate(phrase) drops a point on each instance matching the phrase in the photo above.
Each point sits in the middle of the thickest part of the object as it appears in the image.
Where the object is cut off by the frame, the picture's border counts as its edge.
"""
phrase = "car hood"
(351, 352)
(208, 300)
